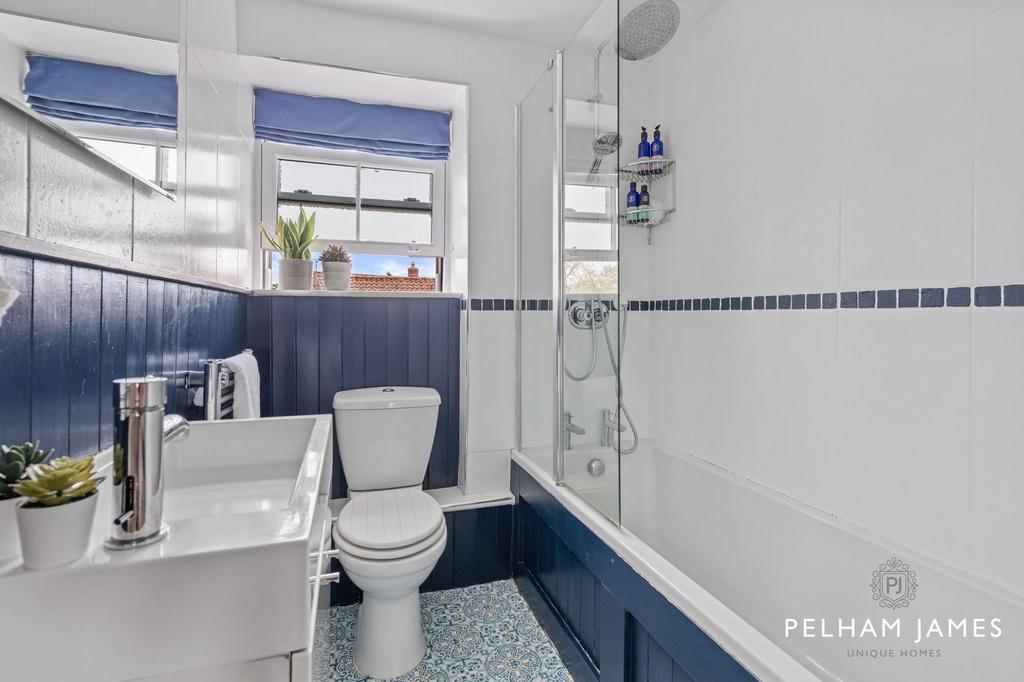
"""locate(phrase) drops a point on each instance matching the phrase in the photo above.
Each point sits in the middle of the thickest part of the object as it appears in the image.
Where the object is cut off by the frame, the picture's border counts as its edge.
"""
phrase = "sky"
(396, 265)
(376, 265)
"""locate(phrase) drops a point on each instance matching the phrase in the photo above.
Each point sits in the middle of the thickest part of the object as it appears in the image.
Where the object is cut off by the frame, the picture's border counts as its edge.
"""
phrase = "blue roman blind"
(81, 91)
(342, 124)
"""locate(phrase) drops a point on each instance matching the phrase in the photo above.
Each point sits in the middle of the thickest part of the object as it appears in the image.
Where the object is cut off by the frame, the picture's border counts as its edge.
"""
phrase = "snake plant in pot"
(56, 517)
(14, 465)
(293, 239)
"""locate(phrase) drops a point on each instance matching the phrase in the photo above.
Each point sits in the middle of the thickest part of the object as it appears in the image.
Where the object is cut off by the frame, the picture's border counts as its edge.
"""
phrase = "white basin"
(246, 504)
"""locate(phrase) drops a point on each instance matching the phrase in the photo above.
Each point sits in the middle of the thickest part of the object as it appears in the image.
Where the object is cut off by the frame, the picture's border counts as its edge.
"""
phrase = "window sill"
(358, 294)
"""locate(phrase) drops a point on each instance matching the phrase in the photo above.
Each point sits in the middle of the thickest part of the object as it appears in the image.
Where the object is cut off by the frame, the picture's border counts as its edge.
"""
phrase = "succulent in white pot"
(293, 239)
(55, 518)
(337, 266)
(15, 462)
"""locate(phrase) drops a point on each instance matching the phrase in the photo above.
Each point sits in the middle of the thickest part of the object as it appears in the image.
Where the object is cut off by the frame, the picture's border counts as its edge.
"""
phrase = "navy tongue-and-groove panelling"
(74, 329)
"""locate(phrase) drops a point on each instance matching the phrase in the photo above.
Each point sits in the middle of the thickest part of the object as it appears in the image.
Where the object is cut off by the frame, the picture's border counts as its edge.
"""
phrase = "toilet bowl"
(390, 534)
(389, 636)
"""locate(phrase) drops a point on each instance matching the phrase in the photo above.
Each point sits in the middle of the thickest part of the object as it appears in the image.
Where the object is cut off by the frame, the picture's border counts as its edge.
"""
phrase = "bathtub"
(785, 589)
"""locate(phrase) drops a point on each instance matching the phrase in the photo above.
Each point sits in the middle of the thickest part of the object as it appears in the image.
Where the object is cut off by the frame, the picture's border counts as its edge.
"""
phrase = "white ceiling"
(551, 22)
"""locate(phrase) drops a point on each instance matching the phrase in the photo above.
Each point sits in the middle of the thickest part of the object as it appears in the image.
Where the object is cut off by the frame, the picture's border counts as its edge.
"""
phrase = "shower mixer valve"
(591, 314)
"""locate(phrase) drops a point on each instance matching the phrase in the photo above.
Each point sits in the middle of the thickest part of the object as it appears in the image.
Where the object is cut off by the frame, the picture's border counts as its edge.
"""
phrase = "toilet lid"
(389, 554)
(388, 519)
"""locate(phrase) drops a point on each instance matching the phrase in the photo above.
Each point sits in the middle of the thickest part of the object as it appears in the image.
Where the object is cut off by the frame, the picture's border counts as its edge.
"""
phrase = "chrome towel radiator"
(213, 389)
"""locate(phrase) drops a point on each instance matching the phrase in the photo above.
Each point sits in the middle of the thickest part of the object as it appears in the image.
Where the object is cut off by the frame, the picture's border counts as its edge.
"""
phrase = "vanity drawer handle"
(326, 554)
(325, 578)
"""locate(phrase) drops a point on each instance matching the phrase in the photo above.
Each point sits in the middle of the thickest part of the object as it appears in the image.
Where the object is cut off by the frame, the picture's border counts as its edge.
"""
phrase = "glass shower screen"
(569, 322)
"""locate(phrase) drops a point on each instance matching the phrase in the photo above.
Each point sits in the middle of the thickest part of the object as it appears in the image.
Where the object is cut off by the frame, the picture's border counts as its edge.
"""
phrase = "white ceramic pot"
(54, 536)
(10, 546)
(295, 274)
(337, 275)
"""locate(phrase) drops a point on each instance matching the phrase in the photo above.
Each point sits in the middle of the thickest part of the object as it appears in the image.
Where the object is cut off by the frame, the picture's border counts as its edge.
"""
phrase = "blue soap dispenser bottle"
(657, 152)
(632, 204)
(644, 213)
(643, 152)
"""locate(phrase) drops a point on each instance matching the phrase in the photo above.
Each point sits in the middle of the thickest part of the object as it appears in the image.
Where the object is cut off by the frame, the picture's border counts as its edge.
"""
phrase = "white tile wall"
(999, 146)
(995, 466)
(903, 426)
(826, 146)
(877, 32)
(907, 168)
(492, 226)
(492, 389)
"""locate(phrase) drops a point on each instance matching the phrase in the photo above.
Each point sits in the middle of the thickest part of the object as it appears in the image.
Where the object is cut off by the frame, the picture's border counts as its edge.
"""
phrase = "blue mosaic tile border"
(504, 304)
(995, 296)
(1010, 295)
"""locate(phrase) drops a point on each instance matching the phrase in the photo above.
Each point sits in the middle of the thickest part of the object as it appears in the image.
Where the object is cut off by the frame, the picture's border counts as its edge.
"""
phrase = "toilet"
(390, 534)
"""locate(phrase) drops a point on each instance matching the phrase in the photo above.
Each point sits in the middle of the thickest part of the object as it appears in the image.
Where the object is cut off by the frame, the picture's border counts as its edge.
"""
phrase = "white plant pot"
(10, 546)
(337, 276)
(54, 536)
(295, 274)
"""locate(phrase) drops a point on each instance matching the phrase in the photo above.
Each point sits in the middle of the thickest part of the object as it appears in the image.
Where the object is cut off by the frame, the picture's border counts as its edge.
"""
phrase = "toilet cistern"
(391, 534)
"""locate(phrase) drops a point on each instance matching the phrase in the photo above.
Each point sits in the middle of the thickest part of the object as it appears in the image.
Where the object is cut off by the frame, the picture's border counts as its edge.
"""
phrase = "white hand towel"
(247, 385)
(8, 295)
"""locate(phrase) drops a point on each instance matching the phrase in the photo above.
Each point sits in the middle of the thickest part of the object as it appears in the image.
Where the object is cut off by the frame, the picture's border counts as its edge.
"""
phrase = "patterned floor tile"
(474, 634)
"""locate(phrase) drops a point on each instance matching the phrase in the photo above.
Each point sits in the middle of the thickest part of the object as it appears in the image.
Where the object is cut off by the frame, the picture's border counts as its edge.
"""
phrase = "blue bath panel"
(631, 631)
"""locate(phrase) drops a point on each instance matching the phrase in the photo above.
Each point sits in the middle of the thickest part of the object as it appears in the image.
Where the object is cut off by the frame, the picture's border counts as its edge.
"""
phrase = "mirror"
(117, 94)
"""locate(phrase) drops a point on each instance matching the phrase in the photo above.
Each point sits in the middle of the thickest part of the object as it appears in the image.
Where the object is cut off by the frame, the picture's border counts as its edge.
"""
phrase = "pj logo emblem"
(893, 584)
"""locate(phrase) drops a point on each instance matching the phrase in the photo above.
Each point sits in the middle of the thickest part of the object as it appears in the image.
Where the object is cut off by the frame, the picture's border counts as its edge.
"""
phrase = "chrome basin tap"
(569, 429)
(140, 431)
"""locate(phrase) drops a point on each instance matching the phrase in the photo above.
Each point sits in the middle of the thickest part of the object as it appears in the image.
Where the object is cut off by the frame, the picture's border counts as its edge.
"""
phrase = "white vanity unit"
(230, 594)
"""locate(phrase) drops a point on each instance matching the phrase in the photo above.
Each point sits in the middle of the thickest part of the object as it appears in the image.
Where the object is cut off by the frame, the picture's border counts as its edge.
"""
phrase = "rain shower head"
(647, 29)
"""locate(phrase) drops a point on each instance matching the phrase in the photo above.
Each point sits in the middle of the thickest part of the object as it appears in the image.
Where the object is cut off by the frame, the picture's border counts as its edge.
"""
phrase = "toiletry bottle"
(643, 152)
(632, 204)
(644, 214)
(657, 152)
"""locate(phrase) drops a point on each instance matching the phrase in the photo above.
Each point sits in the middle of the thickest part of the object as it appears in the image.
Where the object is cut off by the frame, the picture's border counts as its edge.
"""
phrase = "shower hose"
(616, 368)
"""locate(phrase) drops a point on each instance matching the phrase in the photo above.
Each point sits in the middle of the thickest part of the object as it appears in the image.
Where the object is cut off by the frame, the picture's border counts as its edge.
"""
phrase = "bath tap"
(570, 429)
(612, 427)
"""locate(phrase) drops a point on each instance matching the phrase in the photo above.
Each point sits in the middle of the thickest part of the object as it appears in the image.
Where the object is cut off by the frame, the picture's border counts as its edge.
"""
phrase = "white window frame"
(272, 153)
(594, 255)
(155, 137)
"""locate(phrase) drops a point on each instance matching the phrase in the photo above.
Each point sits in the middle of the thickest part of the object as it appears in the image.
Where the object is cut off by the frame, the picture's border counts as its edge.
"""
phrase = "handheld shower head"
(647, 29)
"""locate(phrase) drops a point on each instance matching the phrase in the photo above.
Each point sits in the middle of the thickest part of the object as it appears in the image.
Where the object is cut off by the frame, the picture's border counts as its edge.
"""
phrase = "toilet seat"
(387, 554)
(389, 524)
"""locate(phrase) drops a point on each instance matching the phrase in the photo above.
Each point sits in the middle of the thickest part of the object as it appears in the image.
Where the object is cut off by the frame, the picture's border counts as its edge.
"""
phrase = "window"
(591, 239)
(151, 161)
(388, 212)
